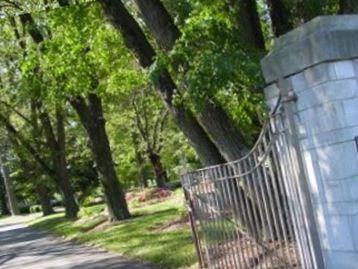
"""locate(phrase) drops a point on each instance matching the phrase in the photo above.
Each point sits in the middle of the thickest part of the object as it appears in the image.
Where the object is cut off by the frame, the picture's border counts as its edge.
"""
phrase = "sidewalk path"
(25, 248)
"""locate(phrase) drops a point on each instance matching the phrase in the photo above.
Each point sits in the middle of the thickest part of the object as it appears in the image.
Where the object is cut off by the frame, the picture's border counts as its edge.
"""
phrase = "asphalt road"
(25, 248)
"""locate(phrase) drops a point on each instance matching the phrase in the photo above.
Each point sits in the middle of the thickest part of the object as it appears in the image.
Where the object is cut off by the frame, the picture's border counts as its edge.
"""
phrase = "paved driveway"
(25, 248)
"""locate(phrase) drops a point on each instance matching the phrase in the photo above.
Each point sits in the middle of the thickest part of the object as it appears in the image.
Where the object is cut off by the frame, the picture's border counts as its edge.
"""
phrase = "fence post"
(288, 102)
(193, 226)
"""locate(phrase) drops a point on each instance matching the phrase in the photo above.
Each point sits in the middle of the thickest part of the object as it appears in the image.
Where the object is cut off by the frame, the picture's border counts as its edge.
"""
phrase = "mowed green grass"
(143, 237)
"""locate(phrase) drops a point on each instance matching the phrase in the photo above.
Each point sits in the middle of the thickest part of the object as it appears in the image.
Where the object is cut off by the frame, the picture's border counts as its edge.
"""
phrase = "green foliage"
(35, 208)
(214, 63)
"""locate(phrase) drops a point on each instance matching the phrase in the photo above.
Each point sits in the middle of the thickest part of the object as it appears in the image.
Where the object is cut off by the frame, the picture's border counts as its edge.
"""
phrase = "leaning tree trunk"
(92, 118)
(159, 172)
(248, 23)
(218, 125)
(159, 22)
(3, 199)
(58, 154)
(9, 186)
(135, 40)
(221, 129)
(280, 17)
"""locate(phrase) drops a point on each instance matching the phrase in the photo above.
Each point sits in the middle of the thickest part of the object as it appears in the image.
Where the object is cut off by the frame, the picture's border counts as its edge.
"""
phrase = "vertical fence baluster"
(278, 200)
(233, 236)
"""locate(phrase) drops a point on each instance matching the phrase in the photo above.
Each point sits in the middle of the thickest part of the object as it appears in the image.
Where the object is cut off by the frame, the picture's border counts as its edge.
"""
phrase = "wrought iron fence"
(250, 213)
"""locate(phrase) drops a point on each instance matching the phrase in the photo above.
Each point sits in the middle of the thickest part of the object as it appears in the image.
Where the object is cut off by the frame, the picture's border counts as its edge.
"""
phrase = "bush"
(35, 208)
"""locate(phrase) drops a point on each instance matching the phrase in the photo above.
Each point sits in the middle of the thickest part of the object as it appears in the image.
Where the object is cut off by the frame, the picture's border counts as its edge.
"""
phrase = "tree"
(280, 17)
(55, 144)
(150, 123)
(219, 126)
(135, 40)
(10, 192)
(81, 72)
(140, 160)
(90, 112)
(3, 198)
(248, 23)
(31, 173)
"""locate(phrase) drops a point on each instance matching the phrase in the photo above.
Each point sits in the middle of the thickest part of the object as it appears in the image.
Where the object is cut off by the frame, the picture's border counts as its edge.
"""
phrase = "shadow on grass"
(135, 237)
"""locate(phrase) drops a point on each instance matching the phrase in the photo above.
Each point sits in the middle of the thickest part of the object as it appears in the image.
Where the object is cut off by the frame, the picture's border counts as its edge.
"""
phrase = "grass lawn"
(154, 234)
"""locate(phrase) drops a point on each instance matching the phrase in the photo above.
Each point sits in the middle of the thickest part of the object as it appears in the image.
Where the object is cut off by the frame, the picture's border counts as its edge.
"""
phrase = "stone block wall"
(326, 114)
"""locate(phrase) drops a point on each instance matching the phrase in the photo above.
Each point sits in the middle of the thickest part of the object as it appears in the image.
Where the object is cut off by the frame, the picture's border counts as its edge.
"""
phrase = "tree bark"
(5, 211)
(280, 17)
(159, 172)
(58, 154)
(221, 129)
(160, 23)
(14, 209)
(248, 23)
(348, 7)
(45, 199)
(92, 118)
(136, 41)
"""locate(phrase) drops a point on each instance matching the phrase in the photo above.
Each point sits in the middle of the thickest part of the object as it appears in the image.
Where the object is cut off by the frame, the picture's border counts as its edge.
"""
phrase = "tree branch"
(12, 130)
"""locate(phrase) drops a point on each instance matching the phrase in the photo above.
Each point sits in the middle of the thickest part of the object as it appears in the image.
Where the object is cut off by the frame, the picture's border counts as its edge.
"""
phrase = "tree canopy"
(98, 97)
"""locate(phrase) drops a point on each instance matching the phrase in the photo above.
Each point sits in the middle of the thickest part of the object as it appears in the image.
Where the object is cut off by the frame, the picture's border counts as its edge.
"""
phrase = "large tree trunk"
(3, 199)
(61, 166)
(57, 147)
(348, 7)
(135, 40)
(218, 125)
(8, 185)
(159, 172)
(248, 23)
(221, 129)
(280, 17)
(92, 118)
(160, 23)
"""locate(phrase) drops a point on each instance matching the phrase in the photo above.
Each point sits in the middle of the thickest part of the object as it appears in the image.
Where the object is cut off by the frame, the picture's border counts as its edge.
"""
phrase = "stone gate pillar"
(319, 62)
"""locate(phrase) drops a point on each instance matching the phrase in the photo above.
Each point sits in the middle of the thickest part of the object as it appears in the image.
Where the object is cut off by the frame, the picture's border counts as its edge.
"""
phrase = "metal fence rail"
(249, 213)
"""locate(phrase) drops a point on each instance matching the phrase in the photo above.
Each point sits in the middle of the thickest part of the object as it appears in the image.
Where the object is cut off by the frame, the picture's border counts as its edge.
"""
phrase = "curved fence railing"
(248, 213)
